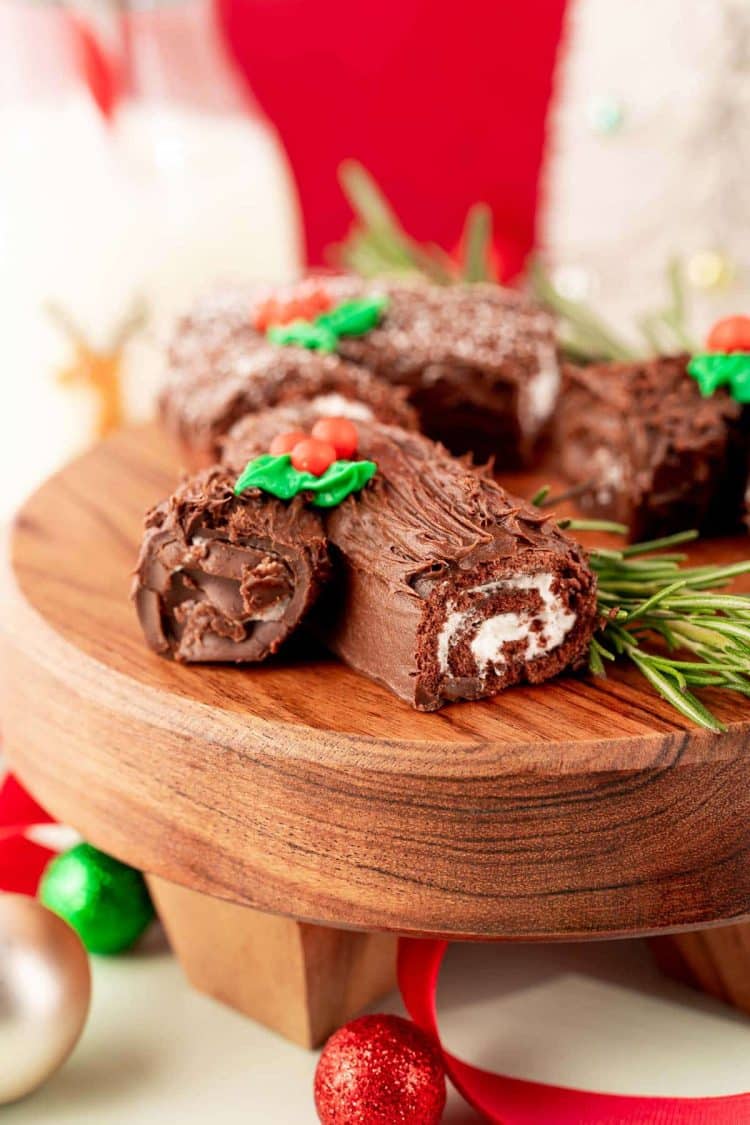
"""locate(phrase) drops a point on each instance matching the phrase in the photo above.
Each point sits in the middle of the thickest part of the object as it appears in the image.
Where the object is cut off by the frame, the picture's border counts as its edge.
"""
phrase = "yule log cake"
(478, 362)
(444, 586)
(227, 578)
(646, 448)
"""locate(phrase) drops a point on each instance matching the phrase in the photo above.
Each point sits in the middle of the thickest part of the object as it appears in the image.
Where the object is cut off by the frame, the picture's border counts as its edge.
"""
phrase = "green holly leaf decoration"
(339, 481)
(354, 318)
(740, 383)
(271, 473)
(350, 318)
(305, 334)
(277, 476)
(712, 370)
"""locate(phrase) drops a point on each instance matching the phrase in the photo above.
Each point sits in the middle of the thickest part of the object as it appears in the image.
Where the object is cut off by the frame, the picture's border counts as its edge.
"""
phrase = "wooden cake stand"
(293, 817)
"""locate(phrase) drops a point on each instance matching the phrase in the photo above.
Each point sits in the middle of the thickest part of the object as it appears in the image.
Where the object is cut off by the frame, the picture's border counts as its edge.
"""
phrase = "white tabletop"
(597, 1016)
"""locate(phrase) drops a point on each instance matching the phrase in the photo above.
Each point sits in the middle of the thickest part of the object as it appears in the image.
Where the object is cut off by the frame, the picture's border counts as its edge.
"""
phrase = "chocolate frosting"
(653, 453)
(227, 578)
(428, 537)
(221, 368)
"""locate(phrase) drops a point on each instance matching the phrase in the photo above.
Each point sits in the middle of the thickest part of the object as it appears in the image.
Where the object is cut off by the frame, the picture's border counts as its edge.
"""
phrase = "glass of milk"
(110, 224)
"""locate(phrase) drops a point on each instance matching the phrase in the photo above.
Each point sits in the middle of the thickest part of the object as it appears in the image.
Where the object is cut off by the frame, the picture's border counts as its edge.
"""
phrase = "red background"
(445, 105)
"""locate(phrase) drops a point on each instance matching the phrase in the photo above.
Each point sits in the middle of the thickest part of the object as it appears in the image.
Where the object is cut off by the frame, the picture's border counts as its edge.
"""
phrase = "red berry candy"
(266, 314)
(313, 456)
(285, 443)
(380, 1070)
(340, 432)
(303, 303)
(732, 334)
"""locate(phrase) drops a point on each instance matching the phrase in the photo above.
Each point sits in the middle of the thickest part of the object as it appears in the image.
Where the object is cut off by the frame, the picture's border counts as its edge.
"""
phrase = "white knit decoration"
(674, 177)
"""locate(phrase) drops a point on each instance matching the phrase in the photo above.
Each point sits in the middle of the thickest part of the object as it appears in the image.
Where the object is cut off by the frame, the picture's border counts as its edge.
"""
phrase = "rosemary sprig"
(586, 338)
(654, 611)
(477, 242)
(673, 318)
(539, 497)
(653, 606)
(569, 524)
(584, 335)
(378, 243)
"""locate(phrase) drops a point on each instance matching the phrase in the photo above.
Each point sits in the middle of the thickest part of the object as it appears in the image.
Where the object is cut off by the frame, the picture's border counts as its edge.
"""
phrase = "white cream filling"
(453, 624)
(542, 391)
(542, 630)
(336, 406)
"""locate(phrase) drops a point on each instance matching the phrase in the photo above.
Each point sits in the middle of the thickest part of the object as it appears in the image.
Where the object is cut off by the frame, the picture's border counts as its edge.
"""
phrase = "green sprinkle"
(277, 476)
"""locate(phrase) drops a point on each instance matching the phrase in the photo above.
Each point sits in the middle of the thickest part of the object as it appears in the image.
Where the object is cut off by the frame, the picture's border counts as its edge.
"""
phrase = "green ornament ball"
(106, 902)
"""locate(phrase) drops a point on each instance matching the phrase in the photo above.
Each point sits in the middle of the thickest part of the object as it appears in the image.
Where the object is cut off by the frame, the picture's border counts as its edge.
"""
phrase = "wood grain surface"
(579, 808)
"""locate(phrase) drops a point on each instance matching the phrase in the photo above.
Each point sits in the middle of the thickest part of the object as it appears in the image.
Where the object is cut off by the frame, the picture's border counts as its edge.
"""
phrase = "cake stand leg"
(303, 981)
(716, 961)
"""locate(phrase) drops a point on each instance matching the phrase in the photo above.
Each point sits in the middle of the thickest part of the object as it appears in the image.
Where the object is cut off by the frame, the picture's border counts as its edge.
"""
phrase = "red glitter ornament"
(732, 334)
(380, 1070)
(341, 432)
(313, 456)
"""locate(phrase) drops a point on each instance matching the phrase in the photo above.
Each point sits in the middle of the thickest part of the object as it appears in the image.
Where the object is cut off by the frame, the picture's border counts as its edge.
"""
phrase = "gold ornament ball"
(45, 989)
(710, 269)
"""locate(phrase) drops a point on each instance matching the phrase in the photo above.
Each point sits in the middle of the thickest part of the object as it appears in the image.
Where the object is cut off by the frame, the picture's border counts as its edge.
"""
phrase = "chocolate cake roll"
(445, 587)
(221, 367)
(647, 450)
(227, 578)
(479, 362)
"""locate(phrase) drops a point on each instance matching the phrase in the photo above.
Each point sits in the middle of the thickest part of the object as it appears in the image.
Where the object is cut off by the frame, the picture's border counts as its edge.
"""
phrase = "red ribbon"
(514, 1101)
(22, 861)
